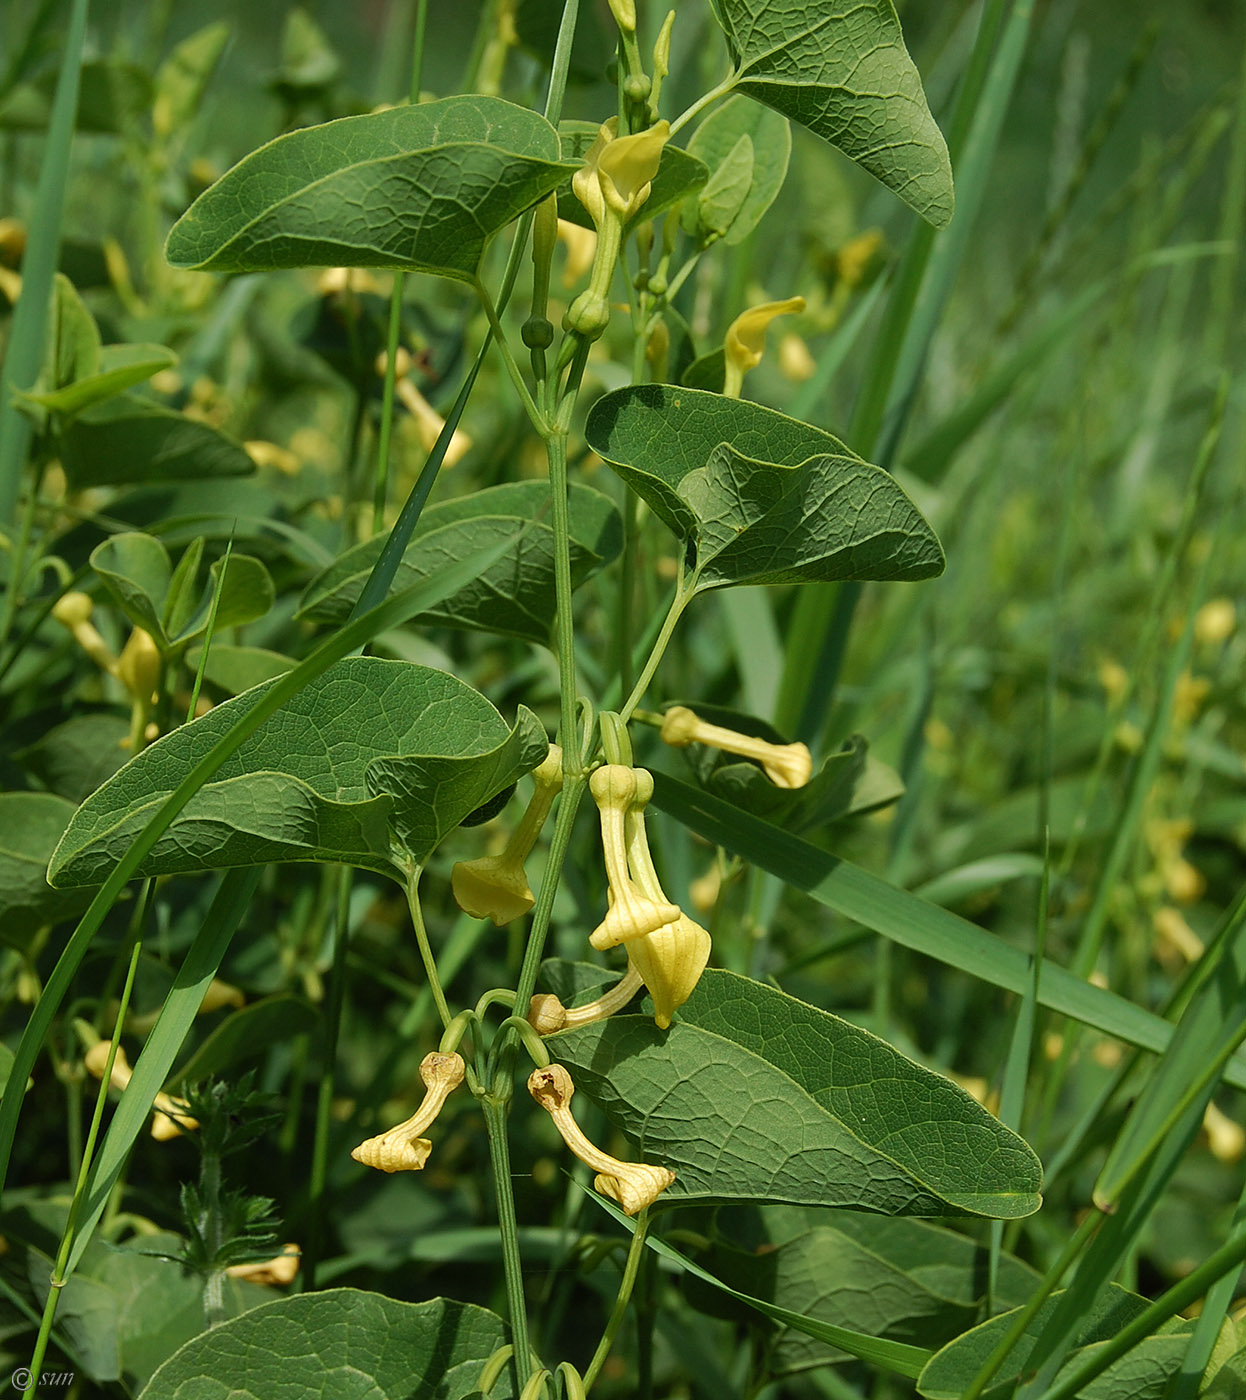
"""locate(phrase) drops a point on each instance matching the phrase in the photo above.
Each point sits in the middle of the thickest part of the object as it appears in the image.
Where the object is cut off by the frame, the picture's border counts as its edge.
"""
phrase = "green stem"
(417, 48)
(58, 1279)
(1080, 1238)
(325, 1090)
(560, 519)
(426, 952)
(1148, 1322)
(701, 103)
(508, 1228)
(683, 596)
(630, 1269)
(512, 367)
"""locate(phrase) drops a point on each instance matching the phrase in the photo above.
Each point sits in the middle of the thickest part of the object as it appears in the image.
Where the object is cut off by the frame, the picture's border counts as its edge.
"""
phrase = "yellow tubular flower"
(786, 765)
(633, 1185)
(626, 166)
(281, 1270)
(547, 1014)
(402, 1148)
(495, 887)
(138, 666)
(670, 962)
(581, 244)
(73, 610)
(746, 340)
(170, 1116)
(429, 423)
(616, 788)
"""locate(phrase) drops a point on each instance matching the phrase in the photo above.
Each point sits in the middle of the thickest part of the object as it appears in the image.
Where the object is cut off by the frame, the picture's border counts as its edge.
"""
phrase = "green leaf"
(183, 77)
(895, 1356)
(235, 669)
(911, 922)
(73, 343)
(423, 188)
(247, 1033)
(753, 1095)
(129, 438)
(765, 499)
(311, 784)
(337, 1342)
(121, 367)
(1229, 1382)
(31, 823)
(1140, 1375)
(112, 96)
(678, 174)
(744, 178)
(136, 570)
(516, 595)
(73, 759)
(899, 1278)
(841, 69)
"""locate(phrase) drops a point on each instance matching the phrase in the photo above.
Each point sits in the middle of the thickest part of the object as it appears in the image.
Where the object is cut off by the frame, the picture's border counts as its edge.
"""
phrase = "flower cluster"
(666, 950)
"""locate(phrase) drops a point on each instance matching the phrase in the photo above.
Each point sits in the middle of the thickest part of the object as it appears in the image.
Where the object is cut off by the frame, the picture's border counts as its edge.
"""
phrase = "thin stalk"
(721, 90)
(512, 366)
(326, 1087)
(58, 1279)
(630, 1269)
(508, 1228)
(417, 48)
(562, 61)
(560, 519)
(426, 952)
(683, 596)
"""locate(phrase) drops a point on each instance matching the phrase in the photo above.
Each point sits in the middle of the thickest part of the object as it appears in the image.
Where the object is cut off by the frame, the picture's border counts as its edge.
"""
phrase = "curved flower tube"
(786, 765)
(746, 340)
(547, 1014)
(170, 1116)
(402, 1148)
(633, 1185)
(633, 914)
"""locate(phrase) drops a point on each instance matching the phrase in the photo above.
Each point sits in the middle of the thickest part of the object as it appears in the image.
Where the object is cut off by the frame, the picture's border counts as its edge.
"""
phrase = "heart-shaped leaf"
(421, 187)
(753, 1095)
(341, 1341)
(746, 149)
(137, 571)
(516, 596)
(840, 68)
(31, 823)
(372, 764)
(764, 498)
(678, 175)
(129, 438)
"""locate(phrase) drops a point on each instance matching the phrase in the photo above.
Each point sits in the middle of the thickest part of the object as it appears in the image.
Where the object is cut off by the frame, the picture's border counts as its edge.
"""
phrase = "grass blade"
(911, 922)
(25, 352)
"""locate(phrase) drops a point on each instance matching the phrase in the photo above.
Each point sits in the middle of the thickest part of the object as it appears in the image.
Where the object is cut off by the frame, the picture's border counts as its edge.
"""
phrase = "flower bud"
(786, 765)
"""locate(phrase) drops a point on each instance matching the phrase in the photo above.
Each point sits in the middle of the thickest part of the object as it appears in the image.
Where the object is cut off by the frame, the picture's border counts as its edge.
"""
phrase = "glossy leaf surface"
(339, 1342)
(128, 438)
(516, 595)
(371, 753)
(754, 1095)
(422, 187)
(841, 69)
(764, 498)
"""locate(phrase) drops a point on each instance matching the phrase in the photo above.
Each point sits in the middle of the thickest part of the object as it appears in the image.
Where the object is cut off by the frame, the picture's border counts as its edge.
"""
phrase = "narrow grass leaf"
(911, 922)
